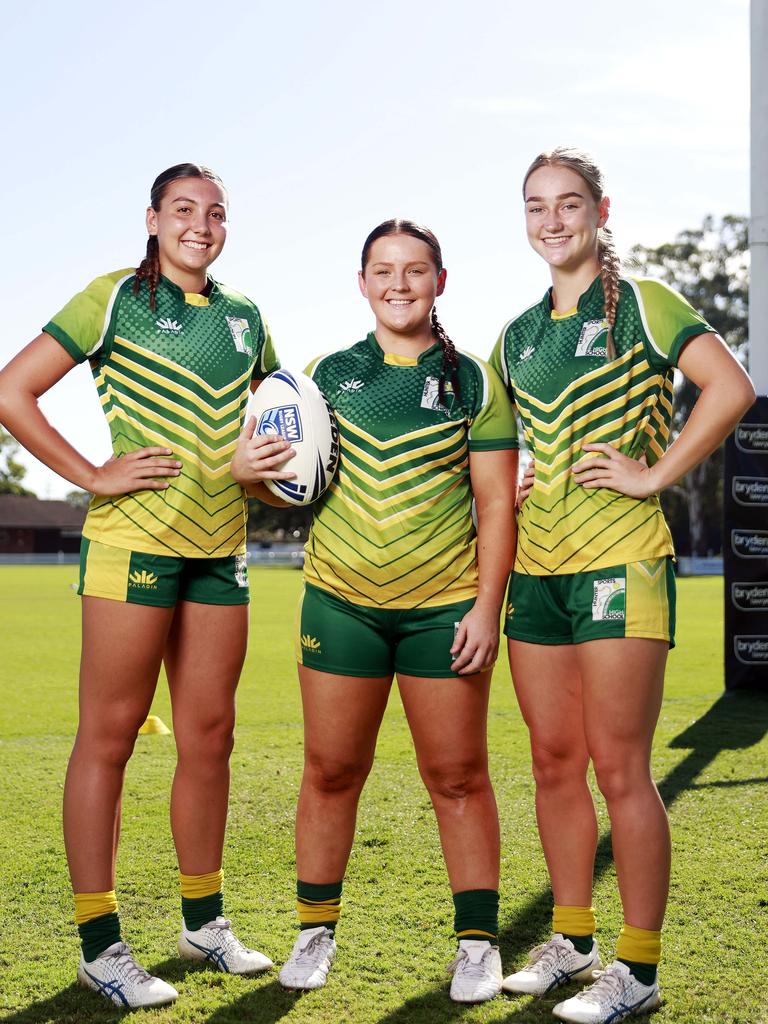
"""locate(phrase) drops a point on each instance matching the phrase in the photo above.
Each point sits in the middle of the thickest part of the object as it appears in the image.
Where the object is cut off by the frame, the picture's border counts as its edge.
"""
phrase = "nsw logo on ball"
(283, 420)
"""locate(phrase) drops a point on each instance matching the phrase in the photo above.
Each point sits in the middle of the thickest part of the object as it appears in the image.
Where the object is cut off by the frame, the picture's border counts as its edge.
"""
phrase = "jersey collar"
(393, 360)
(193, 299)
(590, 301)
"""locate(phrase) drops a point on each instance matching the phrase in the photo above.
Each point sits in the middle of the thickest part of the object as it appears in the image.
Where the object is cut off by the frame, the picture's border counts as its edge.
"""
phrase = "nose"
(400, 281)
(553, 221)
(201, 225)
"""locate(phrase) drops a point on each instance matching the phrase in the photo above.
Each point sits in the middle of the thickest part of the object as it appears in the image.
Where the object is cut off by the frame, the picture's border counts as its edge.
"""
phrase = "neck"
(194, 281)
(569, 285)
(410, 344)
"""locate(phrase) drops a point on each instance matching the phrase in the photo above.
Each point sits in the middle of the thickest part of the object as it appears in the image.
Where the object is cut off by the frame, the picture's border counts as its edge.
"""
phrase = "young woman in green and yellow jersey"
(590, 617)
(399, 582)
(174, 355)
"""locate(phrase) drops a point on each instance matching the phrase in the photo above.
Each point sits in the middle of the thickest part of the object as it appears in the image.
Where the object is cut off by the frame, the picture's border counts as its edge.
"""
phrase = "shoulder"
(338, 360)
(116, 281)
(235, 297)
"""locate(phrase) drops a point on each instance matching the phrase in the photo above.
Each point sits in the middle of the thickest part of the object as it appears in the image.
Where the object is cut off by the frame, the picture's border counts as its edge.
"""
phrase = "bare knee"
(619, 778)
(206, 741)
(456, 781)
(555, 767)
(109, 744)
(327, 775)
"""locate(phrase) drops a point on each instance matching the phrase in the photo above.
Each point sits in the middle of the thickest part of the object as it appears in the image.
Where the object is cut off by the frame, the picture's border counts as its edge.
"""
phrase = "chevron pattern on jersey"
(150, 400)
(392, 500)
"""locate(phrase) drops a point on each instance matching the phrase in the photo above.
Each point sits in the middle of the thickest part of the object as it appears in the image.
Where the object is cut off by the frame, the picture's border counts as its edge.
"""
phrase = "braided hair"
(610, 264)
(149, 268)
(449, 369)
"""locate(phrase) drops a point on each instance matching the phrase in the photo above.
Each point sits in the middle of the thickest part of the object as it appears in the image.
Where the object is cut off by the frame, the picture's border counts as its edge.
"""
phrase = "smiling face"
(191, 228)
(562, 219)
(401, 281)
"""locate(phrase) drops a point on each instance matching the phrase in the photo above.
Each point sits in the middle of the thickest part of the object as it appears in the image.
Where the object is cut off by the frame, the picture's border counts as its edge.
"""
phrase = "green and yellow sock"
(640, 950)
(202, 899)
(318, 905)
(577, 924)
(98, 922)
(476, 914)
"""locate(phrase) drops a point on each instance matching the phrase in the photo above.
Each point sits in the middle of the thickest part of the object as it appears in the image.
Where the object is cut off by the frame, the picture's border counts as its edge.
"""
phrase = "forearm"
(713, 417)
(496, 542)
(22, 416)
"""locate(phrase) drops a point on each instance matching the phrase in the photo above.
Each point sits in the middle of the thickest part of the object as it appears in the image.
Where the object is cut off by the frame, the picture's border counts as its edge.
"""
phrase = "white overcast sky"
(323, 120)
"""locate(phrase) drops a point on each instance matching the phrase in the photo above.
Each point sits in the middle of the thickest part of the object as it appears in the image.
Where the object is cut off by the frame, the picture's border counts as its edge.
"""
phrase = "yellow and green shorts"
(636, 599)
(134, 577)
(347, 639)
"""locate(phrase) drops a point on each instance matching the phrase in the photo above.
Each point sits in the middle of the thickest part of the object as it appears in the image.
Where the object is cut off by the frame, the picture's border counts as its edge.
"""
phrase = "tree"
(12, 472)
(709, 266)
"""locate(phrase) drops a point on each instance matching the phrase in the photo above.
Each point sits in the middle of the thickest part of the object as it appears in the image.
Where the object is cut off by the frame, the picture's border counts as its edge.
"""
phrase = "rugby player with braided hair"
(591, 607)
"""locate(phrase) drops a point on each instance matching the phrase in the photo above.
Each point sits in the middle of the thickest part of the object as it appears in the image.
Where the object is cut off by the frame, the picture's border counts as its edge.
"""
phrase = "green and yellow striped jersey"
(568, 394)
(395, 530)
(178, 377)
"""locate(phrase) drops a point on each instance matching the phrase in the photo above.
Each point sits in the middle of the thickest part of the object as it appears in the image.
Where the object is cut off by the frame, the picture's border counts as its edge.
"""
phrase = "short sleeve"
(82, 325)
(498, 361)
(267, 362)
(669, 320)
(493, 426)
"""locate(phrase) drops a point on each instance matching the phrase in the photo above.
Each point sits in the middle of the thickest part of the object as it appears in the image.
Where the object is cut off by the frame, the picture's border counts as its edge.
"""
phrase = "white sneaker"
(476, 972)
(218, 945)
(615, 994)
(310, 960)
(551, 964)
(117, 976)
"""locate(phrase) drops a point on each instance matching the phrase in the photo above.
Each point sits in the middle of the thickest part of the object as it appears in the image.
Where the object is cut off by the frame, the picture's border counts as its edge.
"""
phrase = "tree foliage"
(709, 266)
(12, 472)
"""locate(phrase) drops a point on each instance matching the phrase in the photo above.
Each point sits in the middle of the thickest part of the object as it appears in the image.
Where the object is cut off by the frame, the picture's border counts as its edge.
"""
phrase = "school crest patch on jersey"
(593, 340)
(241, 334)
(609, 599)
(430, 396)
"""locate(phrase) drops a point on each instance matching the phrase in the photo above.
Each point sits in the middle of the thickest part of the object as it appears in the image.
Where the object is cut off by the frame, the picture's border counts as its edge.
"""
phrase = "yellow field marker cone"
(154, 726)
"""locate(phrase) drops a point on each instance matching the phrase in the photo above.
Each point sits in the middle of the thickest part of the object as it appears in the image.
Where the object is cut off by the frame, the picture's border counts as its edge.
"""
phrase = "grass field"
(710, 758)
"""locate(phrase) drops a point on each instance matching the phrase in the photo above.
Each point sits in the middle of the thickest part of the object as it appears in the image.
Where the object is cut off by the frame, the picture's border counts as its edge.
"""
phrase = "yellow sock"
(195, 887)
(573, 920)
(639, 945)
(89, 905)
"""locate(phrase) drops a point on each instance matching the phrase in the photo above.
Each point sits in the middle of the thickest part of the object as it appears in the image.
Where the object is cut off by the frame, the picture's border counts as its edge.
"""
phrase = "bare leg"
(203, 658)
(342, 715)
(122, 650)
(623, 681)
(549, 691)
(447, 718)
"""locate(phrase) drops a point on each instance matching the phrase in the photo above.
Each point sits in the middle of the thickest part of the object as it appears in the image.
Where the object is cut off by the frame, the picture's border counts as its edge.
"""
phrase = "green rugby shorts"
(632, 600)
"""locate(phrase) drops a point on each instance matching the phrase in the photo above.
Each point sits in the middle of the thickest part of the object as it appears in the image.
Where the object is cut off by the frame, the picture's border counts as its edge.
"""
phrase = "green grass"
(710, 757)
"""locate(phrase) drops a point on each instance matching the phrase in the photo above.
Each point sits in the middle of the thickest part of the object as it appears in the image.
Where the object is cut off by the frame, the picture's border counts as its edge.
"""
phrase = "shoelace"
(313, 949)
(132, 971)
(547, 952)
(608, 985)
(467, 966)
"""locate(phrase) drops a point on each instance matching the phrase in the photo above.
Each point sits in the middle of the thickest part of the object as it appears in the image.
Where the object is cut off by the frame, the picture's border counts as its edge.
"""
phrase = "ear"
(441, 282)
(151, 221)
(604, 210)
(361, 284)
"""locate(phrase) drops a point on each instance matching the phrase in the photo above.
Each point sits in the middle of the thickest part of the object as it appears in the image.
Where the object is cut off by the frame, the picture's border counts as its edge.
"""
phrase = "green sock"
(581, 943)
(476, 914)
(645, 973)
(197, 912)
(98, 934)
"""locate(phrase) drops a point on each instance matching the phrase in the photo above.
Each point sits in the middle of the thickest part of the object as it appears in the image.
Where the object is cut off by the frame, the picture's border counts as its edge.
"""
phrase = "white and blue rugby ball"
(292, 406)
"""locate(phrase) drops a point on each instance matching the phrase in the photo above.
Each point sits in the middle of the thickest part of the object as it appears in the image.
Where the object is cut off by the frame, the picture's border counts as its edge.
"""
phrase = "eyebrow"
(563, 195)
(409, 263)
(184, 199)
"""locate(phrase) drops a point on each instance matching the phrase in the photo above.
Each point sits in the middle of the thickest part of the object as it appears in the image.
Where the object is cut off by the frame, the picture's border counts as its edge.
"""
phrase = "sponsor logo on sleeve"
(593, 340)
(240, 330)
(752, 437)
(608, 599)
(750, 490)
(750, 543)
(751, 650)
(283, 420)
(750, 597)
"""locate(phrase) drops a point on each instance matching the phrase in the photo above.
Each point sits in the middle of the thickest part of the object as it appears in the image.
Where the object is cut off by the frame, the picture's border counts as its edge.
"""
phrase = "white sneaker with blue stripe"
(552, 964)
(216, 944)
(116, 976)
(615, 994)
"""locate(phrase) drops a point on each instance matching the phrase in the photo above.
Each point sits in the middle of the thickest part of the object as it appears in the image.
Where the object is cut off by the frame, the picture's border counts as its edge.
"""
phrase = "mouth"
(556, 243)
(197, 246)
(399, 303)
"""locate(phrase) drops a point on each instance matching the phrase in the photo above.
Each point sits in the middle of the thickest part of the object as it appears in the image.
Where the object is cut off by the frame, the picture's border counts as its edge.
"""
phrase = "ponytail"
(149, 270)
(450, 364)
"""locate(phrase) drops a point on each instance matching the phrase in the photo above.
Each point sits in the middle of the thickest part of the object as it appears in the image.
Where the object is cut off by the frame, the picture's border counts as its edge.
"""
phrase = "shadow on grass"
(736, 721)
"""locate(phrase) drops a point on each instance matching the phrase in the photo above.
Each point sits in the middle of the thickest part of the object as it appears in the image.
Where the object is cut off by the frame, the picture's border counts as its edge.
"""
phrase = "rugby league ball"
(292, 406)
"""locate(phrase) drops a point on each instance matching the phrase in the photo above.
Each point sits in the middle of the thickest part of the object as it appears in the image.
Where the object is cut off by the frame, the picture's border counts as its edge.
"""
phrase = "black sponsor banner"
(745, 551)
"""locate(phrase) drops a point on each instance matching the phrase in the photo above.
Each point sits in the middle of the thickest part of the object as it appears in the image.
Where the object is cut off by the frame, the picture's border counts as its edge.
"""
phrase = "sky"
(325, 119)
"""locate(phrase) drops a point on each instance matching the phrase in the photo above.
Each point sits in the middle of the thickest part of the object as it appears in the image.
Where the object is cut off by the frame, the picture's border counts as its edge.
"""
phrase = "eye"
(416, 270)
(218, 215)
(182, 209)
(535, 209)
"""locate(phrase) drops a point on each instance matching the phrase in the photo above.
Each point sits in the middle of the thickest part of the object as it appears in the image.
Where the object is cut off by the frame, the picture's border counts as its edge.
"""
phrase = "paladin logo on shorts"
(751, 650)
(241, 334)
(608, 599)
(752, 437)
(750, 543)
(283, 420)
(750, 490)
(593, 340)
(310, 643)
(750, 597)
(143, 580)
